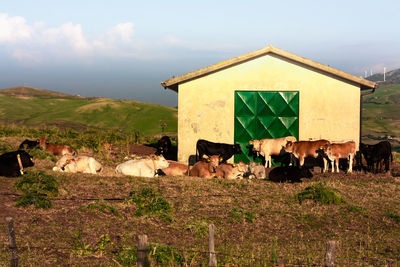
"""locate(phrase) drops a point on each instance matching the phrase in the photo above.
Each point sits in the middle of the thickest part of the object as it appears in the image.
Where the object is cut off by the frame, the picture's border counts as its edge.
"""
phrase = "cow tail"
(391, 156)
(188, 169)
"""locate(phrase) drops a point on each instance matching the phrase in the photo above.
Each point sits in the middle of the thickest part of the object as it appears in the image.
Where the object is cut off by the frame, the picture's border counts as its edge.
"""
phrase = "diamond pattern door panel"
(264, 114)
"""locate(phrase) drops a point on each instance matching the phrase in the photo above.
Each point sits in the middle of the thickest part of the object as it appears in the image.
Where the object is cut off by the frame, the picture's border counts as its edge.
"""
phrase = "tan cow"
(336, 151)
(231, 171)
(270, 147)
(176, 169)
(74, 164)
(55, 149)
(303, 149)
(206, 169)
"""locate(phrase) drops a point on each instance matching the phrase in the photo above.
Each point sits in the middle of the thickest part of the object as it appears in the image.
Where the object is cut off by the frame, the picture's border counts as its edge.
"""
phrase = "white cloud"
(34, 43)
(14, 29)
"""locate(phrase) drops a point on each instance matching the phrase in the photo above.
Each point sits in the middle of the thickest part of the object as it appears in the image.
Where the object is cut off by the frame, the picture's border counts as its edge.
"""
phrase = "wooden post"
(213, 258)
(12, 243)
(142, 259)
(330, 253)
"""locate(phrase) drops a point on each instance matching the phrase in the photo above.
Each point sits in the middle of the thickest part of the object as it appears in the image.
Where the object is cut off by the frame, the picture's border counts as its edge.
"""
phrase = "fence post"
(330, 253)
(142, 259)
(213, 258)
(12, 244)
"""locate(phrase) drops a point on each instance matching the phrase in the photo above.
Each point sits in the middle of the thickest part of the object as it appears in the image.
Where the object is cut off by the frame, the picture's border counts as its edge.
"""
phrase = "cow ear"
(208, 160)
(251, 142)
(220, 159)
(234, 165)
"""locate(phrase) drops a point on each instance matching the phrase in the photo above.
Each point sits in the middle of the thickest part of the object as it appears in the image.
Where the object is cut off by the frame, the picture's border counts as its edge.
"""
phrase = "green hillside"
(381, 112)
(40, 107)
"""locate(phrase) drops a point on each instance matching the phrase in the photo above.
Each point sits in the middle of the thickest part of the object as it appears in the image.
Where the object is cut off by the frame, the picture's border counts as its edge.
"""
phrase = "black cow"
(165, 148)
(28, 144)
(375, 154)
(9, 165)
(288, 174)
(225, 151)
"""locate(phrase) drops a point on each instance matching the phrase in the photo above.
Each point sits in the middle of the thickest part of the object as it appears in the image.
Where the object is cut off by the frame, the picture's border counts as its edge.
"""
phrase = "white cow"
(74, 164)
(270, 147)
(142, 167)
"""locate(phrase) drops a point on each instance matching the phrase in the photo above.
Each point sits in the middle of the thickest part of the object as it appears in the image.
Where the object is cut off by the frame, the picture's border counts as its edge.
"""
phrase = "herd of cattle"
(211, 159)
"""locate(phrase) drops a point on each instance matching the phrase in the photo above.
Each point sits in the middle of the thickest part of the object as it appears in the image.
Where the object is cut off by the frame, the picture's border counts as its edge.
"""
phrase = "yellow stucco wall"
(328, 107)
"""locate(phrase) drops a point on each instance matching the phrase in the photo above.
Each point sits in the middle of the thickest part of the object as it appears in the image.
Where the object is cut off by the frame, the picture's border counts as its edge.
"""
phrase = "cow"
(12, 164)
(375, 154)
(256, 170)
(336, 151)
(270, 147)
(55, 149)
(303, 149)
(206, 168)
(231, 171)
(176, 169)
(165, 148)
(28, 144)
(225, 151)
(74, 164)
(143, 167)
(288, 174)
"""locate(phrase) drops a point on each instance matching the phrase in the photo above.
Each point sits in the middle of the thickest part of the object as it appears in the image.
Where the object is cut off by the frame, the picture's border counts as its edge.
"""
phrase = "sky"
(123, 49)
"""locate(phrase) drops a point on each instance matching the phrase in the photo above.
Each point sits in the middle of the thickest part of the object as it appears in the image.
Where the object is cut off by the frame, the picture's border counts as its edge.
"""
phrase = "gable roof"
(173, 82)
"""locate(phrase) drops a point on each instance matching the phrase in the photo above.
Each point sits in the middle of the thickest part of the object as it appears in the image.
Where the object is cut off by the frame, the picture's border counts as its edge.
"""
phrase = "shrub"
(103, 207)
(198, 228)
(36, 188)
(166, 255)
(128, 256)
(149, 202)
(322, 194)
(238, 214)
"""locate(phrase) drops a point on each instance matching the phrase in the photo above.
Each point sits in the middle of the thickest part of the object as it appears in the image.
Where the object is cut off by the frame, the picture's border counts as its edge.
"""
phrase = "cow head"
(237, 149)
(26, 159)
(289, 147)
(256, 145)
(213, 162)
(159, 161)
(42, 142)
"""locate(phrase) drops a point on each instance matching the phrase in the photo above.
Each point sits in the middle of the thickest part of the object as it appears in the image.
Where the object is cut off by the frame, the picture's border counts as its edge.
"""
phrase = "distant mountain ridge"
(392, 77)
(27, 91)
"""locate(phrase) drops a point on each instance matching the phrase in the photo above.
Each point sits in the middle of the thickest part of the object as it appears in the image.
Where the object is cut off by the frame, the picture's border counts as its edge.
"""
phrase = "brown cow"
(55, 149)
(206, 169)
(231, 171)
(176, 169)
(336, 151)
(270, 147)
(302, 149)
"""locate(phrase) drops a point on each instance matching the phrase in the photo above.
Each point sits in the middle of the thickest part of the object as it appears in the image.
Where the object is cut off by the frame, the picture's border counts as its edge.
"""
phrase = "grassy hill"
(32, 107)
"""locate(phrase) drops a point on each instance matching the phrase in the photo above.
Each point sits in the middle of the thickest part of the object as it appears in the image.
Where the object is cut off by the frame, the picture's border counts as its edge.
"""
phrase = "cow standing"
(303, 149)
(375, 154)
(225, 151)
(270, 147)
(336, 151)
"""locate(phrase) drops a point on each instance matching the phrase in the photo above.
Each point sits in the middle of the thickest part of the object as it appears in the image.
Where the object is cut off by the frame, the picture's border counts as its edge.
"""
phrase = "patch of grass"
(128, 256)
(357, 209)
(4, 147)
(41, 154)
(99, 247)
(321, 193)
(393, 216)
(239, 215)
(198, 228)
(148, 201)
(103, 207)
(166, 255)
(36, 187)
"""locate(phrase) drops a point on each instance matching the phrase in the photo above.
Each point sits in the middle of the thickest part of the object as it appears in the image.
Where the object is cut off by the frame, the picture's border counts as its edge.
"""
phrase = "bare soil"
(258, 222)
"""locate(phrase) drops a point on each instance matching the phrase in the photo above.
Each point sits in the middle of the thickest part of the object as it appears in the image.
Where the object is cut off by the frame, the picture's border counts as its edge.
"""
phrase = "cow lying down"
(231, 171)
(142, 167)
(12, 164)
(175, 169)
(206, 168)
(55, 149)
(76, 164)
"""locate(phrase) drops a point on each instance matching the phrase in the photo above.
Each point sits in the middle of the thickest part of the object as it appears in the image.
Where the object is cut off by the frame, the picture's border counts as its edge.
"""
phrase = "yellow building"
(268, 93)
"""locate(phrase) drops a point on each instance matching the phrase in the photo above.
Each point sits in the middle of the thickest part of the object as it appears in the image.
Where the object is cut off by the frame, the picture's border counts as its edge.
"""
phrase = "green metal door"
(264, 114)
